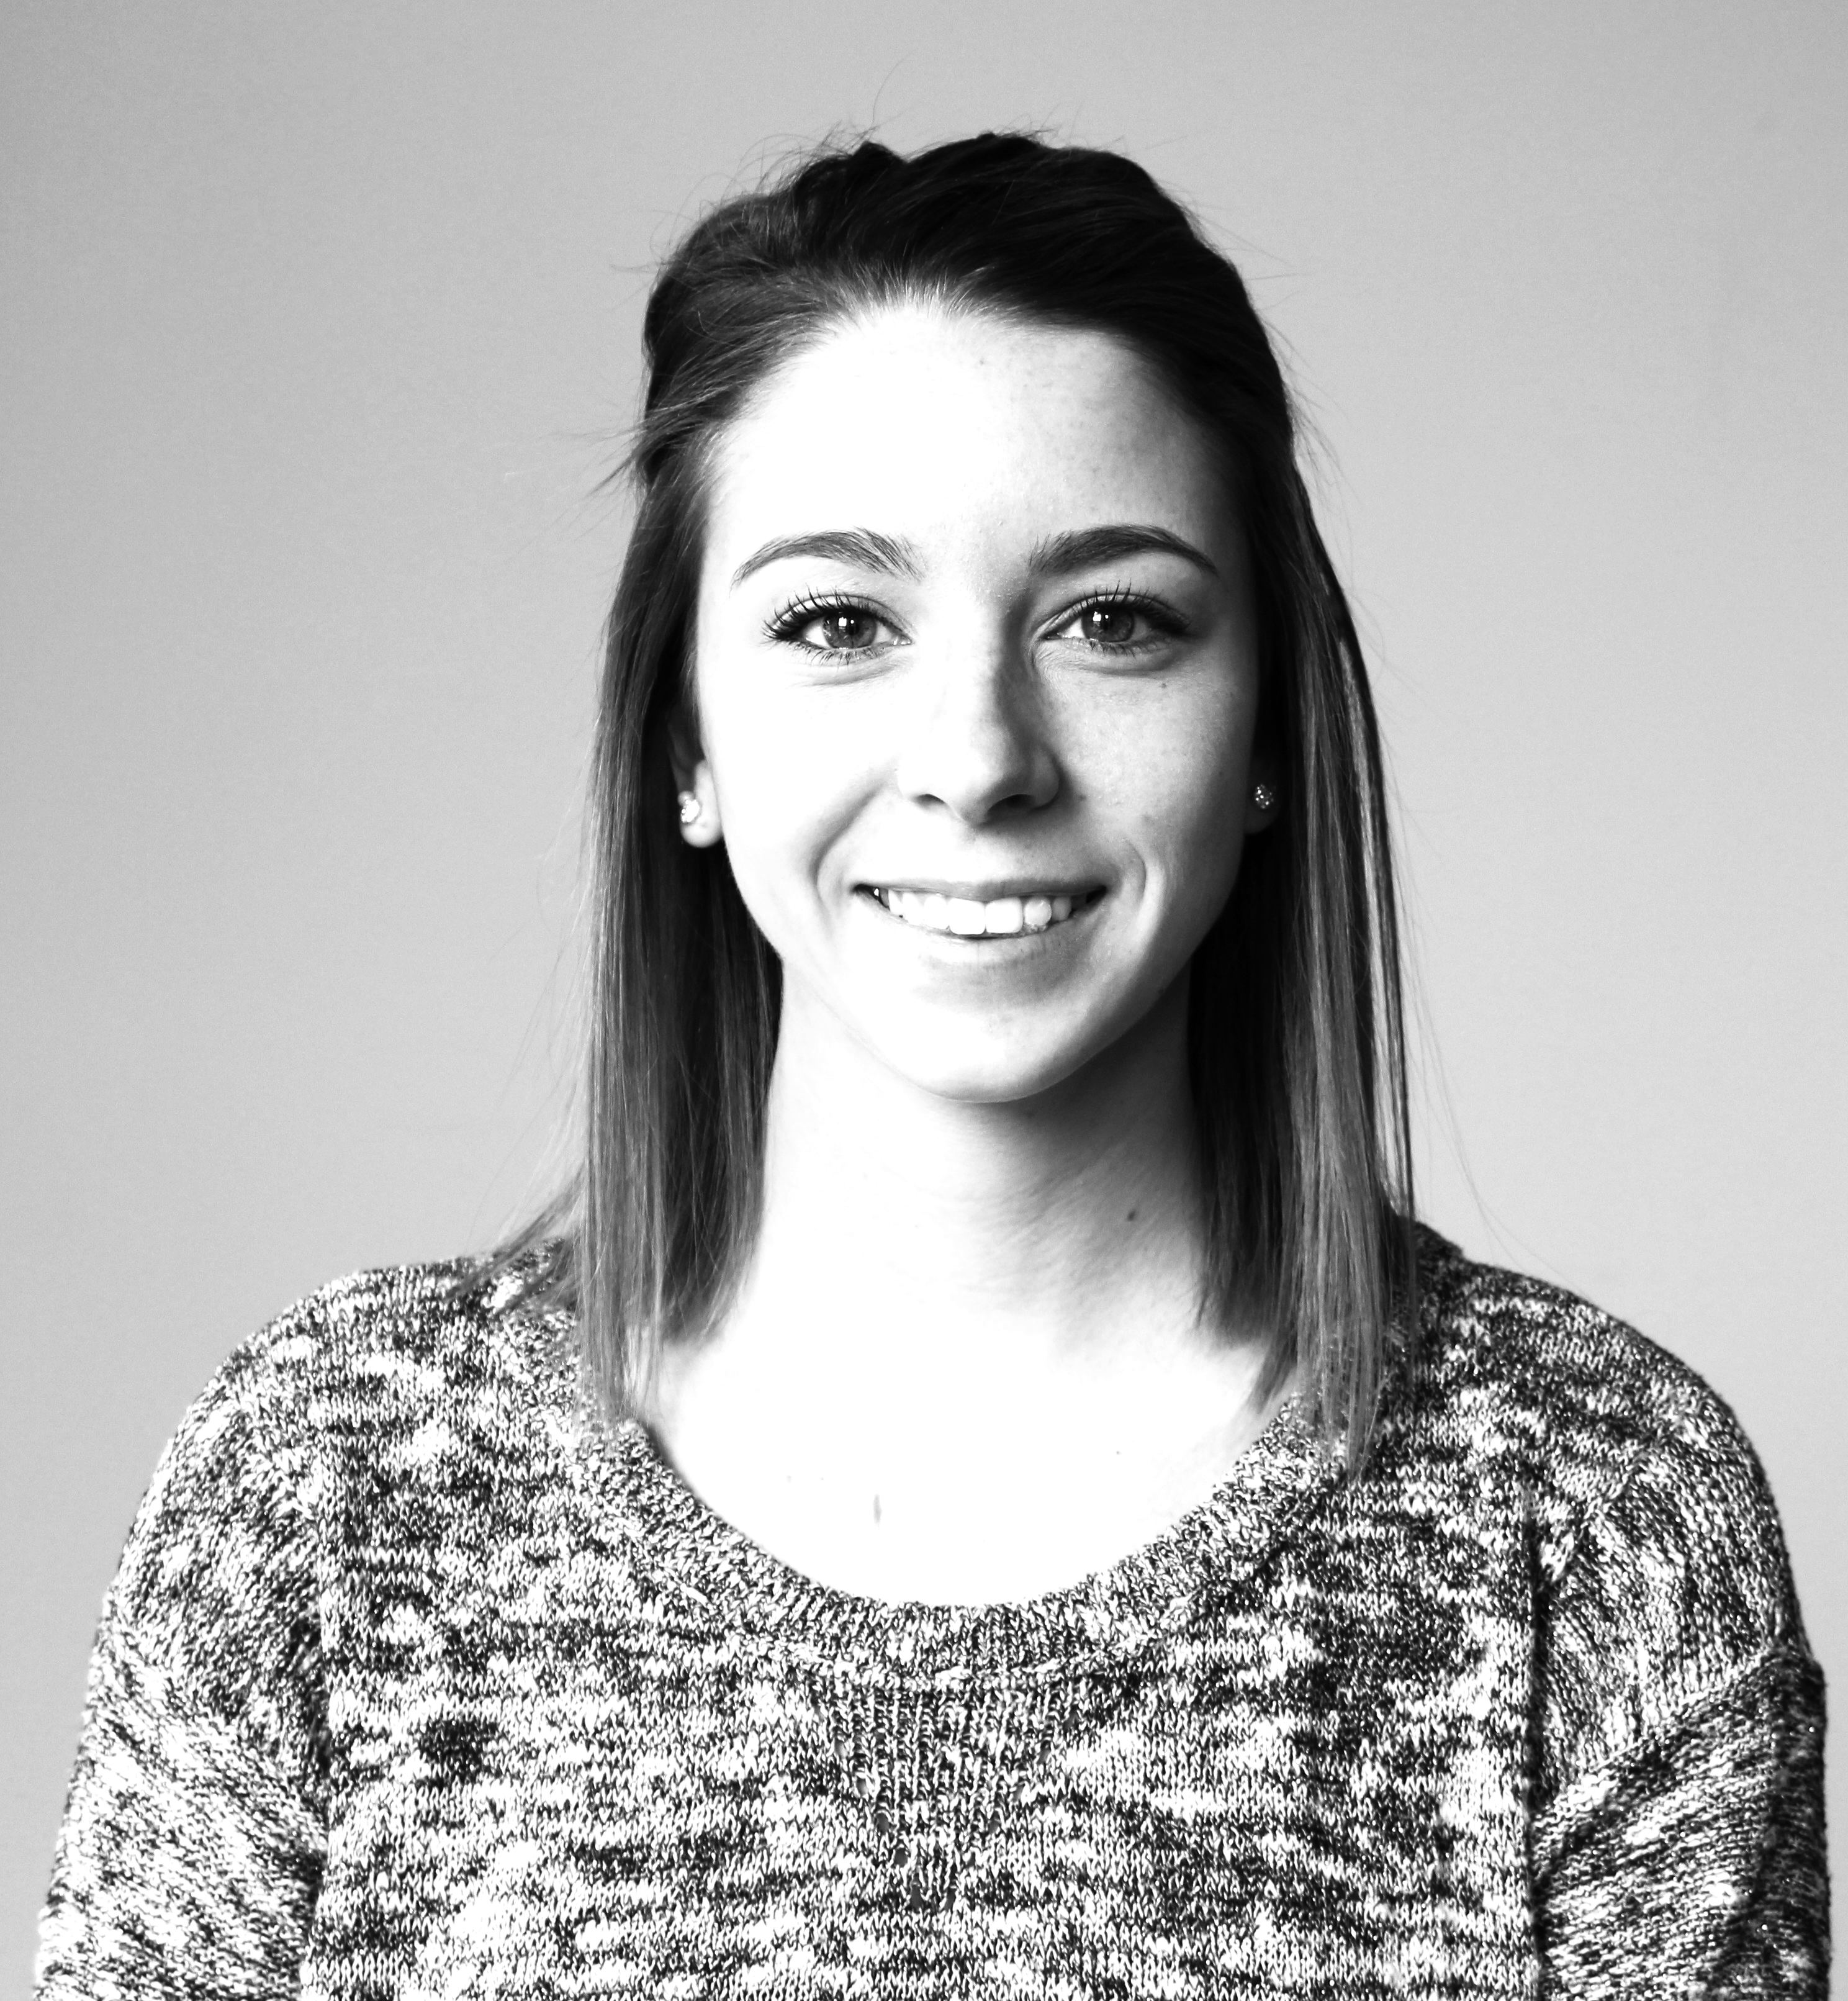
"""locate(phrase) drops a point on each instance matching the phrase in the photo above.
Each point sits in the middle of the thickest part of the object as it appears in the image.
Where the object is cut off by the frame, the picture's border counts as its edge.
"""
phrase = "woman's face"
(975, 679)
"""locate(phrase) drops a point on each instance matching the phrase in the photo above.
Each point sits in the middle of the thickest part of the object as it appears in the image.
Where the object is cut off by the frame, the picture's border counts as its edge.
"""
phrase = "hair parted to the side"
(1294, 1022)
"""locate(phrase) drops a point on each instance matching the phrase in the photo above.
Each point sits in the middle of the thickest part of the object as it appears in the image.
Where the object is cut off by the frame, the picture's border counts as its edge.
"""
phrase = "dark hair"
(1295, 1032)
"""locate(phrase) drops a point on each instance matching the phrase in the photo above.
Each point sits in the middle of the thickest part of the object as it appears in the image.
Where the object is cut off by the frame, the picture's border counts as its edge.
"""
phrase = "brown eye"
(845, 630)
(1109, 624)
(1122, 624)
(832, 625)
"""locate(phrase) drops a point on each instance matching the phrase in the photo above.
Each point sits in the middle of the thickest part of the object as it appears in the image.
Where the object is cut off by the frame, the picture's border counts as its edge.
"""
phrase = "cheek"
(1176, 773)
(789, 768)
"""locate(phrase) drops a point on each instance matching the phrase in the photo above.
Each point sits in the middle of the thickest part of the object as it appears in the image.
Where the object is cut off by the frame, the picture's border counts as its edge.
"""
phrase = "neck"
(967, 1361)
(1029, 1235)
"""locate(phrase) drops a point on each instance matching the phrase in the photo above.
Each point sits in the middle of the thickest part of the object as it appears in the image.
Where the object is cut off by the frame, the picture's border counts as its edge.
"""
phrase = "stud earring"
(689, 807)
(1263, 798)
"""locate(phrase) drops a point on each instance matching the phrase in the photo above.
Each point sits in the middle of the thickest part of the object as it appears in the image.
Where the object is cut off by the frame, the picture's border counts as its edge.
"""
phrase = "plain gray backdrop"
(319, 328)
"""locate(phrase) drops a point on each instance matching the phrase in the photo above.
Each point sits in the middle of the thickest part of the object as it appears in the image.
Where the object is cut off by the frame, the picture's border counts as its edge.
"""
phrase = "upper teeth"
(967, 918)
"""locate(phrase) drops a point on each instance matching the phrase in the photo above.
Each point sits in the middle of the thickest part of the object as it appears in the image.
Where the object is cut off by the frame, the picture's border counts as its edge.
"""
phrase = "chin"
(996, 1085)
(980, 1069)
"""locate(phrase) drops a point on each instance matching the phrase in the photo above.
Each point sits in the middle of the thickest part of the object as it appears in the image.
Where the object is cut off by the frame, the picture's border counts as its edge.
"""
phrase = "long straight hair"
(1295, 1036)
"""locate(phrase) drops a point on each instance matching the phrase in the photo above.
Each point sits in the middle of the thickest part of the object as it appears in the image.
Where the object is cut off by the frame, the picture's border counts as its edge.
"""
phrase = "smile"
(964, 916)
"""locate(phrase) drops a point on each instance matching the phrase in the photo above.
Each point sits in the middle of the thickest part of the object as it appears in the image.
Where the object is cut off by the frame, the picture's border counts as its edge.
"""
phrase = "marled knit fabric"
(417, 1679)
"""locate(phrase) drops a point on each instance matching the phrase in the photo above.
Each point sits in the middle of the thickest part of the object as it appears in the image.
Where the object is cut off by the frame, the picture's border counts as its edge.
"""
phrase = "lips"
(970, 917)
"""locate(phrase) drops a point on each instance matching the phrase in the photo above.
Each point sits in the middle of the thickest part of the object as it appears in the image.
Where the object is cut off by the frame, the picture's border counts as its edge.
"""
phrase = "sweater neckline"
(702, 1575)
(709, 1576)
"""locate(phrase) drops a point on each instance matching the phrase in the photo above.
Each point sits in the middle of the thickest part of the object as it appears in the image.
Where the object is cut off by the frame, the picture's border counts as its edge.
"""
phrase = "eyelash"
(788, 623)
(1167, 623)
(804, 611)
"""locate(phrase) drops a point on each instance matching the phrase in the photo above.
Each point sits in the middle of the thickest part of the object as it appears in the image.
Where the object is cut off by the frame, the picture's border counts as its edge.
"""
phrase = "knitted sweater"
(419, 1680)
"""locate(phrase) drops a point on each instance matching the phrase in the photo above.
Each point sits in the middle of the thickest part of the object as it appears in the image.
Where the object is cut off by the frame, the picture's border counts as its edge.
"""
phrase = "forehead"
(929, 421)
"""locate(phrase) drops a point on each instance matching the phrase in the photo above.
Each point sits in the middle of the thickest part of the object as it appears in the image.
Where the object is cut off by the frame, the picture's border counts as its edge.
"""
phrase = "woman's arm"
(1679, 1840)
(192, 1846)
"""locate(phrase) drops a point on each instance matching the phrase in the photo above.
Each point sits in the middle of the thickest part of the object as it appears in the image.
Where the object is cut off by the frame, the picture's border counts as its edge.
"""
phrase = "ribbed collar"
(711, 1578)
(721, 1580)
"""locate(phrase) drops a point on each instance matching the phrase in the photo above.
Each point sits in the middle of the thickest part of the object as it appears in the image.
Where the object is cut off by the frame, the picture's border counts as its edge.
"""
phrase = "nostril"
(979, 750)
(979, 790)
(986, 812)
(1012, 804)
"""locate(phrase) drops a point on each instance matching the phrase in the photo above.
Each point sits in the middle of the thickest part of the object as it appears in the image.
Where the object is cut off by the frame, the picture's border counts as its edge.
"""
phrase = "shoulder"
(373, 1373)
(1589, 1412)
(381, 1350)
(1660, 1579)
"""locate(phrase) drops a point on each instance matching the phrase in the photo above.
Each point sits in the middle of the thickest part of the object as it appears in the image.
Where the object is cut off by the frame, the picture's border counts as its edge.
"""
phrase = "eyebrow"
(864, 548)
(1055, 556)
(1079, 547)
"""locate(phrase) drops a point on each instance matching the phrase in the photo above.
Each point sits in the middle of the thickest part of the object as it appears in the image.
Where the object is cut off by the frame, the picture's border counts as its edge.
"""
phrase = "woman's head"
(985, 303)
(974, 676)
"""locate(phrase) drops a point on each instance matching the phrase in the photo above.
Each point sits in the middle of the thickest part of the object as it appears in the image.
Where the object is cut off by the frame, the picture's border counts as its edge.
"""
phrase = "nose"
(979, 747)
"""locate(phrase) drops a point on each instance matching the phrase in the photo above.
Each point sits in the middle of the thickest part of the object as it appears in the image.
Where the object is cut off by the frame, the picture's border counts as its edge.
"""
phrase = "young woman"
(981, 1489)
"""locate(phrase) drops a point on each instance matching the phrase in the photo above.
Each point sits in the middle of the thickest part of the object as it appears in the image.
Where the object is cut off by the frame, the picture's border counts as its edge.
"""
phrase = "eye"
(829, 625)
(1120, 623)
(851, 629)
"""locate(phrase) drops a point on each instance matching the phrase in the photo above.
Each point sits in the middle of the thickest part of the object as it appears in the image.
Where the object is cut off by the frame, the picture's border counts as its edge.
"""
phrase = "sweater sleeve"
(1679, 1836)
(193, 1836)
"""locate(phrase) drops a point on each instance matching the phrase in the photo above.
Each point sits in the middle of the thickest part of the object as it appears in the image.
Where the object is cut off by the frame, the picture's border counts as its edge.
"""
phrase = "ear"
(1264, 793)
(693, 779)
